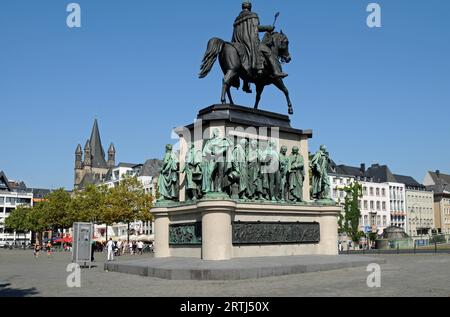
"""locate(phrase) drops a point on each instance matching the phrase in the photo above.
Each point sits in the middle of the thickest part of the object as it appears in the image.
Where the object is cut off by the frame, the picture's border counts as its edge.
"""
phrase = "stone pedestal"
(233, 229)
(237, 122)
(220, 226)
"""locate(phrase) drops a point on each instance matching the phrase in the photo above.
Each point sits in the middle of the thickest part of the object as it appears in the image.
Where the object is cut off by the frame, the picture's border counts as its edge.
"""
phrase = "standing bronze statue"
(216, 163)
(283, 174)
(254, 171)
(248, 58)
(168, 178)
(270, 171)
(239, 171)
(320, 180)
(296, 171)
(193, 171)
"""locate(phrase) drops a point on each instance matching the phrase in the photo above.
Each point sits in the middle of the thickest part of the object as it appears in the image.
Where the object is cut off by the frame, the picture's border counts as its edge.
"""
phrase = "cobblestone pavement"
(402, 275)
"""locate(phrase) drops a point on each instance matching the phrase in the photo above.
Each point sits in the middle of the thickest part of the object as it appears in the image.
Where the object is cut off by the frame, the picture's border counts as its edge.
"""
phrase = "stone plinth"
(225, 229)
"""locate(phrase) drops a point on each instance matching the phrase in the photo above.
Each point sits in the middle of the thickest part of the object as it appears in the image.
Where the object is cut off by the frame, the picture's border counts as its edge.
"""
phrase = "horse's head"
(279, 43)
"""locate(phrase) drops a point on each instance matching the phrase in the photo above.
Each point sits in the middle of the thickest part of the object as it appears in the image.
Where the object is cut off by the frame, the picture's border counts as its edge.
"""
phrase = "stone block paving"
(402, 275)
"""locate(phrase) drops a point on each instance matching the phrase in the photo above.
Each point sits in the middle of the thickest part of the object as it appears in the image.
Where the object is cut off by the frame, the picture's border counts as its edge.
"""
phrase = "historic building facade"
(419, 207)
(388, 199)
(374, 203)
(12, 195)
(93, 167)
(440, 184)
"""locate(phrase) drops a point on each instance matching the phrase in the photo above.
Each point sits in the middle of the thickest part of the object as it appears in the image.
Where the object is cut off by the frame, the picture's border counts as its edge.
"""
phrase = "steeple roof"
(79, 150)
(97, 152)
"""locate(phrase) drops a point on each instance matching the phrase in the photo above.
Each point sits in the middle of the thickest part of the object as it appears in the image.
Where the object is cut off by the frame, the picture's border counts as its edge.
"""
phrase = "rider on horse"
(246, 32)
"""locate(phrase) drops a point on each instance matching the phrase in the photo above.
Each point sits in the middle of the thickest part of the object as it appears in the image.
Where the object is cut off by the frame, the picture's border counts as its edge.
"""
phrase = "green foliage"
(127, 202)
(88, 205)
(58, 210)
(349, 218)
(18, 220)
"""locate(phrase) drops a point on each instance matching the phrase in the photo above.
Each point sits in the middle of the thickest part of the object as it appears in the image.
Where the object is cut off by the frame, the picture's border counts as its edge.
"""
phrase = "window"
(378, 192)
(366, 220)
(384, 206)
(365, 205)
(372, 205)
(371, 191)
(378, 205)
(335, 193)
(378, 221)
(383, 192)
(384, 221)
(365, 191)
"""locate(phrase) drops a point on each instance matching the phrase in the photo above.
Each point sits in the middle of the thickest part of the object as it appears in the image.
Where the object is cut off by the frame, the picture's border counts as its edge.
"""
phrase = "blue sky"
(372, 95)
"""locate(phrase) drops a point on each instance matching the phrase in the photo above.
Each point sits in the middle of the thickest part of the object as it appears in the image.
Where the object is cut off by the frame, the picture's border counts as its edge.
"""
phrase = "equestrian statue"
(248, 58)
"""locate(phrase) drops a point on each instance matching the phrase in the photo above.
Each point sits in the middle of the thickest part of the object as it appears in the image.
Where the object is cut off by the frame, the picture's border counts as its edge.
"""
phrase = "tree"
(18, 220)
(128, 202)
(56, 211)
(37, 220)
(88, 205)
(350, 217)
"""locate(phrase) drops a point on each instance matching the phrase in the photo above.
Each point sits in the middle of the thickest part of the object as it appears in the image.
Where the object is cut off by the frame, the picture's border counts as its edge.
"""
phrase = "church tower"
(111, 156)
(87, 155)
(94, 169)
(78, 165)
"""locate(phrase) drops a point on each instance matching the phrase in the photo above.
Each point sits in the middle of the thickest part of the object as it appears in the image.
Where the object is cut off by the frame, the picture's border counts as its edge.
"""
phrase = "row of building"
(396, 200)
(387, 199)
(14, 194)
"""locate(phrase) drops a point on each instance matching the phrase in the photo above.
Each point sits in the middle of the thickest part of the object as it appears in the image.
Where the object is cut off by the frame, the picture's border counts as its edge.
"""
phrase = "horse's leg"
(229, 96)
(259, 91)
(280, 85)
(230, 64)
(224, 90)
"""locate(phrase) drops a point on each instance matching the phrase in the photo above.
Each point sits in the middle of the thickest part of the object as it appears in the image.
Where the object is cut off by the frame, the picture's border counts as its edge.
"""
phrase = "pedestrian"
(36, 250)
(110, 248)
(130, 247)
(49, 249)
(140, 246)
(93, 247)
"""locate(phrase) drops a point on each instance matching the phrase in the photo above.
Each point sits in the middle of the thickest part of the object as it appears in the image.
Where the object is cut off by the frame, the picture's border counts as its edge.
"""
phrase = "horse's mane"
(268, 39)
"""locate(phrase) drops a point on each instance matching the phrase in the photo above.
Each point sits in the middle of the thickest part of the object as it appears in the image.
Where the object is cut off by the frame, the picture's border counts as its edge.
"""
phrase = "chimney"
(363, 169)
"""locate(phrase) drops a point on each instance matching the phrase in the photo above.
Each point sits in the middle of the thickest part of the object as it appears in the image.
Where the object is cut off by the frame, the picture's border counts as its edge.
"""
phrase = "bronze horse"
(232, 68)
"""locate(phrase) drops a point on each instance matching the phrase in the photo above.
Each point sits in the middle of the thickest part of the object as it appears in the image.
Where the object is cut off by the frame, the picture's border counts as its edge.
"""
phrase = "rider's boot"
(277, 72)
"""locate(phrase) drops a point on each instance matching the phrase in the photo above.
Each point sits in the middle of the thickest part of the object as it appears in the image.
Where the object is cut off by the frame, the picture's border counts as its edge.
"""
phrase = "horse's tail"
(215, 46)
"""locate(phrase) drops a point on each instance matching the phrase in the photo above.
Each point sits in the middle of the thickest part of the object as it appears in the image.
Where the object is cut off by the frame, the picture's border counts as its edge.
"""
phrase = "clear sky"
(372, 95)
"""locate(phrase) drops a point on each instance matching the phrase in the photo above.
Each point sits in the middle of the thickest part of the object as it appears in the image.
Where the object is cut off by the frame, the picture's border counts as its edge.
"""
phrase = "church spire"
(111, 156)
(97, 151)
(78, 157)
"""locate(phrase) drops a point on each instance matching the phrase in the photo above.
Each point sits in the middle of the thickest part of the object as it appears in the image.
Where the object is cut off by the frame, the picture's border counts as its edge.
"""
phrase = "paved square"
(403, 275)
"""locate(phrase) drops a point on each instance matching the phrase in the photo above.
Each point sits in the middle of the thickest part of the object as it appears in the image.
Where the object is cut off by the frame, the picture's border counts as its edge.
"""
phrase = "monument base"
(225, 229)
